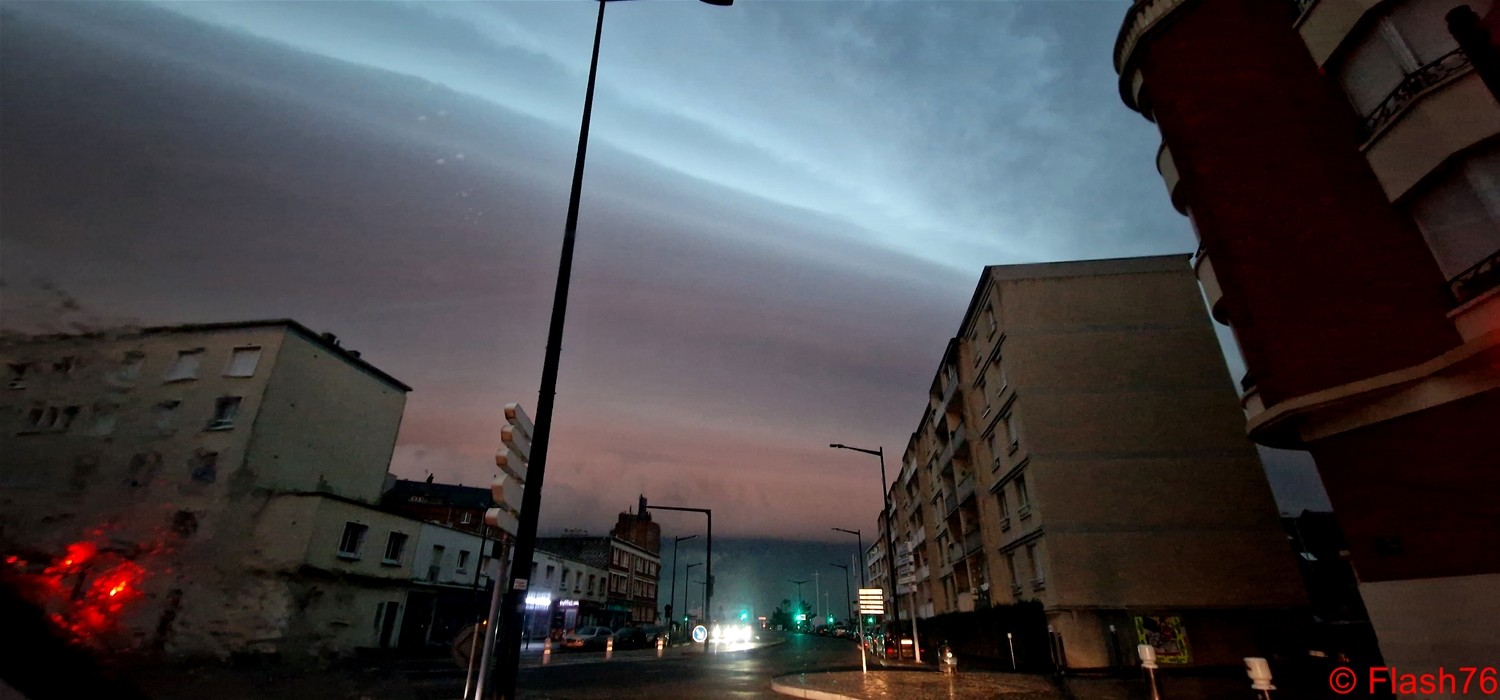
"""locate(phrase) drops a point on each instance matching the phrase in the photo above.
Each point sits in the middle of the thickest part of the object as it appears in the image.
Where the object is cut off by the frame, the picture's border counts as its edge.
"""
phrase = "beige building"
(1082, 447)
(216, 478)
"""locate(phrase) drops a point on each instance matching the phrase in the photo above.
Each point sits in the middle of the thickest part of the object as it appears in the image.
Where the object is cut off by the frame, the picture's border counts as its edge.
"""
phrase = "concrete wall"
(326, 425)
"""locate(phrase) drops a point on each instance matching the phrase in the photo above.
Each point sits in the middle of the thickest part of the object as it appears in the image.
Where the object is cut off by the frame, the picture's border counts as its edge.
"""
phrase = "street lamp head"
(719, 3)
(836, 446)
(684, 539)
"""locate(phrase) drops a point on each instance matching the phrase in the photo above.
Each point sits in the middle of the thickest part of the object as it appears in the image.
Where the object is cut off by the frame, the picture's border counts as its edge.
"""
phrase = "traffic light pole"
(513, 608)
(708, 567)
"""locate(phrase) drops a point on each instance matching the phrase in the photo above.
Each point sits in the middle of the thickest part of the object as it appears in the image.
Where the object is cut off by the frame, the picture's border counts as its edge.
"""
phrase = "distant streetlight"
(799, 594)
(673, 600)
(686, 601)
(859, 540)
(531, 502)
(848, 612)
(890, 523)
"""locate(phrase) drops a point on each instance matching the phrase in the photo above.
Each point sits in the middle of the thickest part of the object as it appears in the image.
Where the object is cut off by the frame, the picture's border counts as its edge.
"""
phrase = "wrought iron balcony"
(1423, 79)
(1476, 280)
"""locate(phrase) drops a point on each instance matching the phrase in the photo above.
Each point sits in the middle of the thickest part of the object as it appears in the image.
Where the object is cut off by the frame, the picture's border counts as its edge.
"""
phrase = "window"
(1023, 496)
(983, 395)
(166, 413)
(465, 518)
(1004, 379)
(435, 567)
(1011, 438)
(989, 317)
(65, 365)
(203, 467)
(463, 560)
(186, 365)
(1004, 504)
(131, 365)
(591, 583)
(37, 415)
(550, 571)
(17, 378)
(1015, 578)
(224, 411)
(352, 543)
(242, 362)
(104, 419)
(395, 546)
(1459, 213)
(1037, 578)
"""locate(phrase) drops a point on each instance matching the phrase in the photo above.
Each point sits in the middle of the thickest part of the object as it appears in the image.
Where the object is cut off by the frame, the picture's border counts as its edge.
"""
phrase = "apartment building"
(631, 558)
(1340, 163)
(565, 595)
(210, 488)
(1081, 446)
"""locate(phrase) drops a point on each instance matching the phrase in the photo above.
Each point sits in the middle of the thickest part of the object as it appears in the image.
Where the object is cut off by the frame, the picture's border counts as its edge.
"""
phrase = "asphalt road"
(734, 674)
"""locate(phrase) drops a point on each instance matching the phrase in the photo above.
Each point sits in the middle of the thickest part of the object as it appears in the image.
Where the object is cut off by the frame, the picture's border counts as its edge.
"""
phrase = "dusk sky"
(786, 209)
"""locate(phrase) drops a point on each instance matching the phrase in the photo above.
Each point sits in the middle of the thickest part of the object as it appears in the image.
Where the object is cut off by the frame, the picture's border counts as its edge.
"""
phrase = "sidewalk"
(911, 681)
(908, 680)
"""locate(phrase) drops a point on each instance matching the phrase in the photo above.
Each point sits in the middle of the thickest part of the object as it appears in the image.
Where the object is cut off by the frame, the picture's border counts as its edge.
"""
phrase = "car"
(642, 637)
(587, 638)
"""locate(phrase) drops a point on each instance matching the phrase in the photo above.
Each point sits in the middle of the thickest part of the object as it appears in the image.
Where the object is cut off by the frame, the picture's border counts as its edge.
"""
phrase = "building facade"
(631, 559)
(1338, 161)
(565, 595)
(1081, 447)
(137, 462)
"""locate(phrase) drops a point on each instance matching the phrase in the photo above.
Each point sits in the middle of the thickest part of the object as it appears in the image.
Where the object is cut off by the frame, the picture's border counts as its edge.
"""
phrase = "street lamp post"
(516, 583)
(687, 574)
(672, 620)
(799, 597)
(890, 523)
(848, 612)
(859, 540)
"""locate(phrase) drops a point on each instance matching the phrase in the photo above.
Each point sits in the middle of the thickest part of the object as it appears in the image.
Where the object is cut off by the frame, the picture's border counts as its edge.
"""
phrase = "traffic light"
(830, 619)
(744, 615)
(802, 617)
(507, 488)
(869, 619)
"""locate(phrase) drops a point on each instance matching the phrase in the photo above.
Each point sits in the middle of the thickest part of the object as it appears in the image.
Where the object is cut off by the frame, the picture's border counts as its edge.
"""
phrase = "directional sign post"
(507, 490)
(871, 602)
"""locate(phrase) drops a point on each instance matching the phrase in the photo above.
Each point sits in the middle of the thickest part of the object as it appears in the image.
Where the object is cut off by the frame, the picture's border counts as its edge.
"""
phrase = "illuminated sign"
(538, 600)
(567, 603)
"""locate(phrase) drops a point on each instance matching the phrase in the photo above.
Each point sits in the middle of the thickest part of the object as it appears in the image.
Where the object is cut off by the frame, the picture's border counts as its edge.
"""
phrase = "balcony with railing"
(1440, 71)
(973, 541)
(950, 503)
(1471, 283)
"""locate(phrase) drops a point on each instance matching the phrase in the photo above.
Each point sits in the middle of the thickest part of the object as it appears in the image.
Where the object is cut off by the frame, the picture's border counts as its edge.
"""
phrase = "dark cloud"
(785, 211)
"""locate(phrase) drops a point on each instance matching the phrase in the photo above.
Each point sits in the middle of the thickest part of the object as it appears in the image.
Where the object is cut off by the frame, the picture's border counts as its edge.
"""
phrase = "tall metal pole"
(859, 539)
(848, 611)
(885, 499)
(531, 501)
(672, 602)
(708, 587)
(687, 602)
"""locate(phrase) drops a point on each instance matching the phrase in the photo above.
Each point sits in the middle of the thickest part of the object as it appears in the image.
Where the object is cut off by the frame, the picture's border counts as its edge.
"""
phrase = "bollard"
(947, 660)
(546, 651)
(1260, 676)
(661, 645)
(609, 646)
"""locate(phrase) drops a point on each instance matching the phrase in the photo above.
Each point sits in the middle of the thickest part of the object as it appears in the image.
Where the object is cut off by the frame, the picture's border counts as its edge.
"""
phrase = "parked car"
(637, 637)
(587, 638)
